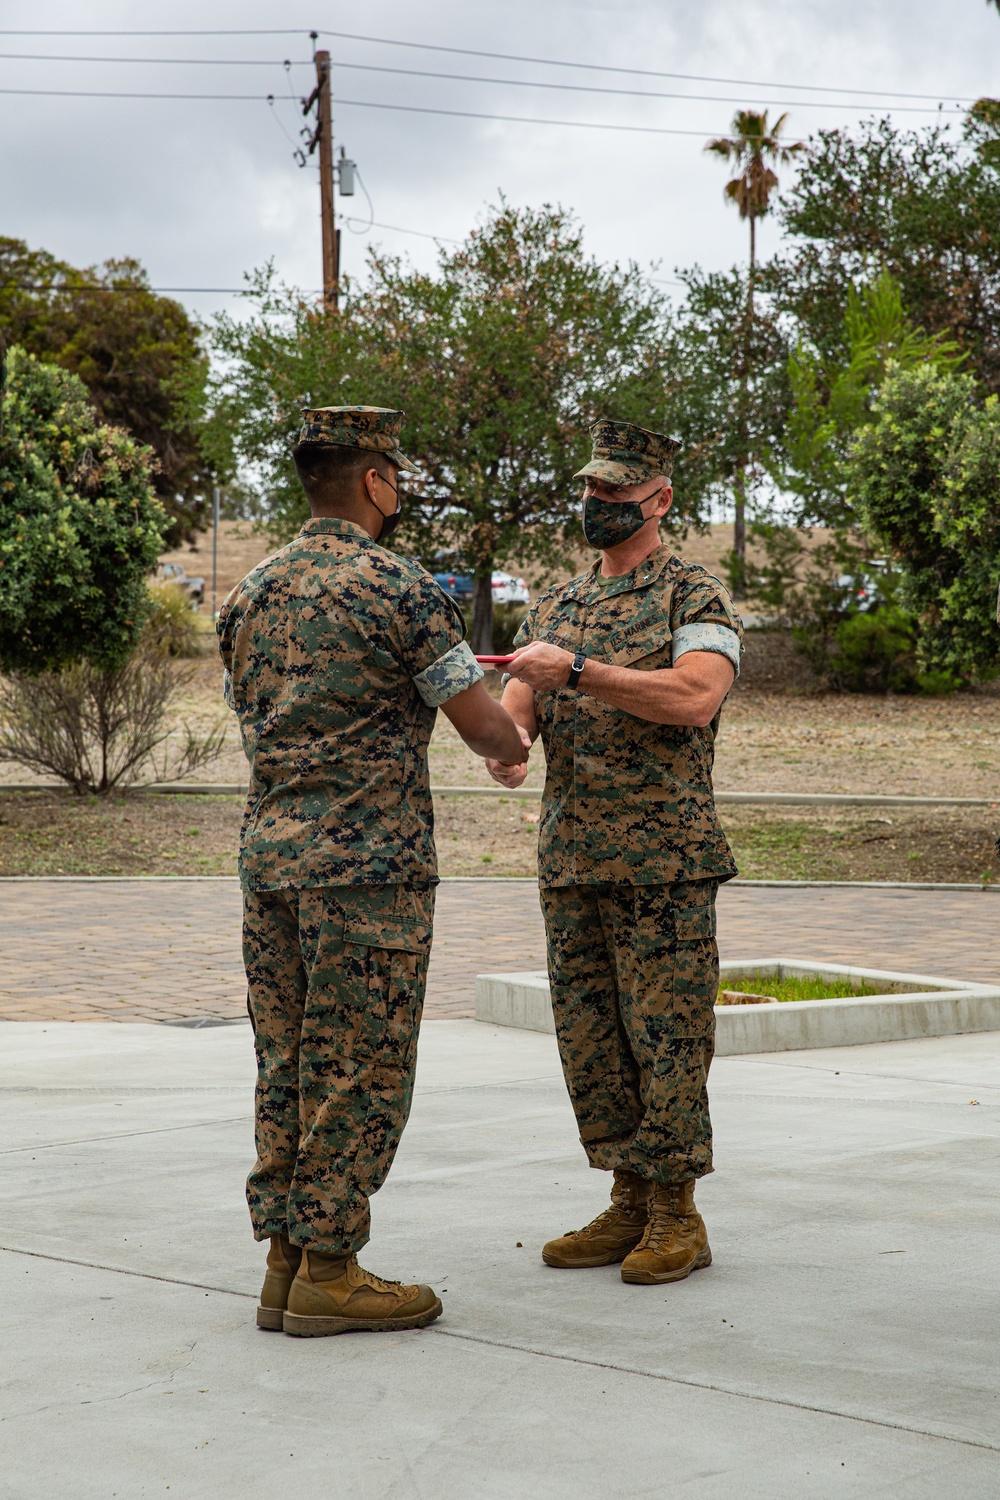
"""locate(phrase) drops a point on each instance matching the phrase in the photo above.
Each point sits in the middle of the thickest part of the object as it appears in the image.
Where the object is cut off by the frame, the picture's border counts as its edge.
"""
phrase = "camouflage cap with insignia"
(626, 454)
(373, 427)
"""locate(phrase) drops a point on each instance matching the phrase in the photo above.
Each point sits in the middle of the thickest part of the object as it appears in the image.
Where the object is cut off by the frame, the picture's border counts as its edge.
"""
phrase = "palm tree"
(752, 146)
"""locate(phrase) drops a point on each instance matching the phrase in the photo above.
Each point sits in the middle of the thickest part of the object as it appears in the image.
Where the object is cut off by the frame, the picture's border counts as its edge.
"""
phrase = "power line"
(556, 62)
(205, 62)
(137, 94)
(69, 286)
(396, 228)
(550, 62)
(590, 88)
(532, 83)
(239, 31)
(413, 109)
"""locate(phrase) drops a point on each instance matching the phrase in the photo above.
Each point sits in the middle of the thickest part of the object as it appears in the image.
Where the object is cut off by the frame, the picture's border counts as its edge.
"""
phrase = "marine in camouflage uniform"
(630, 857)
(337, 654)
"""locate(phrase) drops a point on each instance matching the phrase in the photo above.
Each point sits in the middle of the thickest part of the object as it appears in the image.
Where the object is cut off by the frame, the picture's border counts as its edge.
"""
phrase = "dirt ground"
(777, 734)
(771, 739)
(55, 833)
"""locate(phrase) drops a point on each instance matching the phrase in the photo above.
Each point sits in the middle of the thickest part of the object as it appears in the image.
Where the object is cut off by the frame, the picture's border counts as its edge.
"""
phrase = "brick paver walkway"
(168, 950)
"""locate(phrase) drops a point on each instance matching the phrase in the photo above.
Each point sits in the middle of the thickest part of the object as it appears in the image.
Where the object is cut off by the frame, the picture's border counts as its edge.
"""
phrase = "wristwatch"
(579, 662)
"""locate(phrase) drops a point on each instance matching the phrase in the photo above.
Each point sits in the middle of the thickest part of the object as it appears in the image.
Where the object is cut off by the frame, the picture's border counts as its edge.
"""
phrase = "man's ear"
(369, 480)
(664, 500)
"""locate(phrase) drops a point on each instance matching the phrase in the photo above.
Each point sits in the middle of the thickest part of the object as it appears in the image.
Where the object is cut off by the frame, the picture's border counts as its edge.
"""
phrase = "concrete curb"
(934, 1007)
(761, 799)
(790, 885)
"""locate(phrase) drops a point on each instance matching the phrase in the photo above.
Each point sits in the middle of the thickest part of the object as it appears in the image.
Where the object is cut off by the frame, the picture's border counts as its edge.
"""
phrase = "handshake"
(539, 667)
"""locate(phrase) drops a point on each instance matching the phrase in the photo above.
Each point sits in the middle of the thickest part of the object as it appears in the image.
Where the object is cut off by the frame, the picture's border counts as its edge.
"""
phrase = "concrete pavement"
(843, 1343)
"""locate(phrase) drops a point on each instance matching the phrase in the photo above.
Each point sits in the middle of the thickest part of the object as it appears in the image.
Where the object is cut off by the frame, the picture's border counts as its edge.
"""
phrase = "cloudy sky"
(202, 190)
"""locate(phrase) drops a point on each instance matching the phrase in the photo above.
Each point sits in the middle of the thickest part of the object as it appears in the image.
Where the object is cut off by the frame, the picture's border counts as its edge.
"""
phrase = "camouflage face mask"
(606, 523)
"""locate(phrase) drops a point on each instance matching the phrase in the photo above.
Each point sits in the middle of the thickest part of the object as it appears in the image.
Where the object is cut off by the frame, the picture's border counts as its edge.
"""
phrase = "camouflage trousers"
(335, 982)
(634, 973)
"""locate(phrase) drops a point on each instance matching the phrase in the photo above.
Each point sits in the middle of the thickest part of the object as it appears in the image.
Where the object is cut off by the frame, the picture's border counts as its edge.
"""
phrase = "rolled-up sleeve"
(452, 673)
(429, 635)
(704, 618)
(707, 636)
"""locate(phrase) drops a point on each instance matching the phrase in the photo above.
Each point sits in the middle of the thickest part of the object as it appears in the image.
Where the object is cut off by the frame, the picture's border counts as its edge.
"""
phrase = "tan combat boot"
(608, 1238)
(282, 1263)
(335, 1295)
(675, 1242)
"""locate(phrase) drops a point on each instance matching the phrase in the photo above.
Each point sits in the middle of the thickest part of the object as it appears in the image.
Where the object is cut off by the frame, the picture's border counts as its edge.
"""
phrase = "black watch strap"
(579, 662)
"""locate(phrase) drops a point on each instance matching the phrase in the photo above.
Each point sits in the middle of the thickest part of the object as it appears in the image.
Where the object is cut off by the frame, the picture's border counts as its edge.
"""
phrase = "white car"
(509, 590)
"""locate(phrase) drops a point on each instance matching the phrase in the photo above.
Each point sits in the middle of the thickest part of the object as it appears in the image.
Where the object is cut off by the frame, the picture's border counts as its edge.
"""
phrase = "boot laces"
(663, 1225)
(378, 1283)
(607, 1220)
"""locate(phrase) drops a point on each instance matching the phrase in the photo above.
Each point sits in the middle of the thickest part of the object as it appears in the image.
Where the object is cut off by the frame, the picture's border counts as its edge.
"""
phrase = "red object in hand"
(494, 661)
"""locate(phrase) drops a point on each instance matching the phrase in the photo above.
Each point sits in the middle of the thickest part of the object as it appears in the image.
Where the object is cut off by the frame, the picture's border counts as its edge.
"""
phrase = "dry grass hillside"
(242, 548)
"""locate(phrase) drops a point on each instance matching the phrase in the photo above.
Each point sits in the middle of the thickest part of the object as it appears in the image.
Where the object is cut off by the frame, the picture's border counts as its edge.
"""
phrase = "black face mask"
(389, 523)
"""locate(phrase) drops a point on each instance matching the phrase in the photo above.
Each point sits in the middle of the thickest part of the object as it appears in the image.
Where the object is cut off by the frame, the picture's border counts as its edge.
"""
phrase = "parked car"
(506, 588)
(862, 589)
(458, 585)
(509, 590)
(174, 573)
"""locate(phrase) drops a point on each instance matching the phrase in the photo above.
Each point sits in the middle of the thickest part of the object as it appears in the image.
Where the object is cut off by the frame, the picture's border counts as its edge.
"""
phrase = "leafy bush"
(872, 652)
(507, 620)
(925, 475)
(80, 527)
(171, 624)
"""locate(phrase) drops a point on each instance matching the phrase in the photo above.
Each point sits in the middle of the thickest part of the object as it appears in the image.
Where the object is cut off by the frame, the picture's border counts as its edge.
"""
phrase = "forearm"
(484, 725)
(519, 701)
(668, 696)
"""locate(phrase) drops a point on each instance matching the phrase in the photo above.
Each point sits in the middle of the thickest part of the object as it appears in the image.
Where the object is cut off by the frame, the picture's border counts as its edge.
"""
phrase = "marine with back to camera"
(337, 655)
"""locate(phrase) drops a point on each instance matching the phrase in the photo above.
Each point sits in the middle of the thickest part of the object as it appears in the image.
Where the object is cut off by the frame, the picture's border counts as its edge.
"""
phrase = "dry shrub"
(98, 731)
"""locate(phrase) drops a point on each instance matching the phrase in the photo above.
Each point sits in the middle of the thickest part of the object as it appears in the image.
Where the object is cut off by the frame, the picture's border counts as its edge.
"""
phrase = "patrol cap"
(626, 454)
(375, 428)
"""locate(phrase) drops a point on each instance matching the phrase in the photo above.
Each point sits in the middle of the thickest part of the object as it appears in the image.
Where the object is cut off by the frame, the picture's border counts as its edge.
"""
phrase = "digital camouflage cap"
(373, 427)
(626, 454)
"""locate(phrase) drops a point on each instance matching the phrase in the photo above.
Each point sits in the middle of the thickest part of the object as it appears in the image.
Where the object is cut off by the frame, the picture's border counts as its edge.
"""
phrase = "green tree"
(924, 475)
(923, 205)
(714, 392)
(832, 397)
(139, 355)
(752, 147)
(80, 526)
(500, 359)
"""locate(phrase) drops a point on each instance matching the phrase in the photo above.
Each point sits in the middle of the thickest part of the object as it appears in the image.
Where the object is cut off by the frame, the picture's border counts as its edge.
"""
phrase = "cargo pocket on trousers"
(696, 967)
(676, 951)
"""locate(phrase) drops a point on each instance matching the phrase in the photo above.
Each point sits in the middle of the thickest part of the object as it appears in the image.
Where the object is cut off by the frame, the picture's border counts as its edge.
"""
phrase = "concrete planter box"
(913, 1005)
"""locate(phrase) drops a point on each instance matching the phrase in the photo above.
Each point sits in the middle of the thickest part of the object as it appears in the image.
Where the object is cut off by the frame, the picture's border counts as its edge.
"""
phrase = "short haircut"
(332, 470)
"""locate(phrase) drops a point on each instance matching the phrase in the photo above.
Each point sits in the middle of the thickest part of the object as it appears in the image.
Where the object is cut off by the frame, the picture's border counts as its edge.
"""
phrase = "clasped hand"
(539, 666)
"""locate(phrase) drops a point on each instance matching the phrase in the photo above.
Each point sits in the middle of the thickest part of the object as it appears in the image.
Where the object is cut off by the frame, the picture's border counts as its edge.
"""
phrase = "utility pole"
(324, 138)
(343, 171)
(216, 497)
